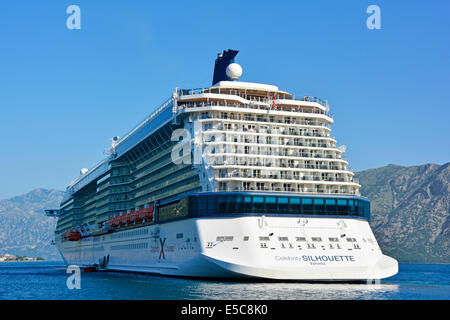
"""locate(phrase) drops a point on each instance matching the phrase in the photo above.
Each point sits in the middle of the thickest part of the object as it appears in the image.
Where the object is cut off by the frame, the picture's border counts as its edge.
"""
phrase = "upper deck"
(225, 95)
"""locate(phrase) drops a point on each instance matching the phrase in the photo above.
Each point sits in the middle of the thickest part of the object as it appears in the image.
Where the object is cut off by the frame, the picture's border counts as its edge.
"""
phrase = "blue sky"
(64, 93)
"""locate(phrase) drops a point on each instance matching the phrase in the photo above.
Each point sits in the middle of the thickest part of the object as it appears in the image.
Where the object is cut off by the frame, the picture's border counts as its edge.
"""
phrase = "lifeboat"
(116, 221)
(133, 216)
(110, 222)
(129, 215)
(123, 219)
(148, 213)
(72, 235)
(92, 268)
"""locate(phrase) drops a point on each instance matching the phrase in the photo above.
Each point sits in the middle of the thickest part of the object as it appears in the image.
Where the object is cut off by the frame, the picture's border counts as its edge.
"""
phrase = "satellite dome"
(234, 71)
(84, 171)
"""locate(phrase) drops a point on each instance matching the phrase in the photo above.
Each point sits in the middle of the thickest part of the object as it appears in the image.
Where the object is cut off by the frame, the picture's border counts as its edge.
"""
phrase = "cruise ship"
(235, 180)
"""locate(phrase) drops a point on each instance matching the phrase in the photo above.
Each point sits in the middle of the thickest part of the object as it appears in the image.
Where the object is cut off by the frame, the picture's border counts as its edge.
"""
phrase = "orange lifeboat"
(90, 268)
(72, 235)
(131, 217)
(110, 222)
(134, 216)
(148, 213)
(116, 221)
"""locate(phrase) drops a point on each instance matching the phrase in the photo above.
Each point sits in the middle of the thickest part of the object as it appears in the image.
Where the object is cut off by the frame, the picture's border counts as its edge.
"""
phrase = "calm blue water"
(47, 280)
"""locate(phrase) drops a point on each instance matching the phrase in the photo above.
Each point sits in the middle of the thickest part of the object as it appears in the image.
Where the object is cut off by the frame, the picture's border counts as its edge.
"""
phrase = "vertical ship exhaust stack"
(220, 68)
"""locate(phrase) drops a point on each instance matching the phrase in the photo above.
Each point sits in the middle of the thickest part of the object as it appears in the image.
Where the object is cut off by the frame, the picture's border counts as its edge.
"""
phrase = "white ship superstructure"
(235, 180)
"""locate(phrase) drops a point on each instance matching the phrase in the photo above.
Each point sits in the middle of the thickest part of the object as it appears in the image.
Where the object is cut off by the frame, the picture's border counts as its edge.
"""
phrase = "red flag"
(273, 101)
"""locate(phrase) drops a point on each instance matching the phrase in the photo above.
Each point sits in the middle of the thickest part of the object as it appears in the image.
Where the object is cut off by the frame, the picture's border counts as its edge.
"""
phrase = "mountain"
(410, 210)
(24, 228)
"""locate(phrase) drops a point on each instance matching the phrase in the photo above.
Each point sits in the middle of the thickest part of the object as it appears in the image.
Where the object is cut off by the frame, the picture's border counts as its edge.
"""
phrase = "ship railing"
(294, 178)
(225, 152)
(292, 109)
(263, 143)
(228, 91)
(242, 94)
(288, 134)
(303, 123)
(288, 190)
(318, 100)
(298, 166)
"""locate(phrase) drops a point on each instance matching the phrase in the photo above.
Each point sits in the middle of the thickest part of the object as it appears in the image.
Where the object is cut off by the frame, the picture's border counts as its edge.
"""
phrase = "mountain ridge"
(410, 210)
(24, 228)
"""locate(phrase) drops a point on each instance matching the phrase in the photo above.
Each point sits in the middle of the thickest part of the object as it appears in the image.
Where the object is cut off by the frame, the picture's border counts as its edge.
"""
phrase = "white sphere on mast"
(234, 71)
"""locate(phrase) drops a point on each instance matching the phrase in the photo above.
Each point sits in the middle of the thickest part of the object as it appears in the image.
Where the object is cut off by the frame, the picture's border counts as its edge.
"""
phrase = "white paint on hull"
(283, 248)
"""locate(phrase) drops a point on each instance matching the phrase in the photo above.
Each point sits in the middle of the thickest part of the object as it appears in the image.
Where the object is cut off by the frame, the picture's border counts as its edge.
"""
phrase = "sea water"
(48, 280)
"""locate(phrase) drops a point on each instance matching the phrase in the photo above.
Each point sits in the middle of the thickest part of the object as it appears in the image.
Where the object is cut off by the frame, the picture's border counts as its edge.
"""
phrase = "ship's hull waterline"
(276, 248)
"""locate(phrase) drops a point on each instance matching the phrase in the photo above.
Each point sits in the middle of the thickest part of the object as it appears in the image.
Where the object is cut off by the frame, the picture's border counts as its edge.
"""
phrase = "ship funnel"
(220, 68)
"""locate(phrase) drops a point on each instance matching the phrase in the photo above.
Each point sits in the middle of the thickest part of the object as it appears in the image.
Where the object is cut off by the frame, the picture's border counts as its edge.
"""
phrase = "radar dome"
(84, 171)
(234, 71)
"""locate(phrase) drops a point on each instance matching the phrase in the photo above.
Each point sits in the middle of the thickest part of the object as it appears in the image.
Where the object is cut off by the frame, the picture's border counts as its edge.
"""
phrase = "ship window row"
(128, 234)
(154, 188)
(275, 150)
(292, 174)
(213, 205)
(280, 107)
(271, 141)
(265, 131)
(263, 161)
(143, 245)
(308, 187)
(281, 205)
(279, 150)
(236, 204)
(261, 120)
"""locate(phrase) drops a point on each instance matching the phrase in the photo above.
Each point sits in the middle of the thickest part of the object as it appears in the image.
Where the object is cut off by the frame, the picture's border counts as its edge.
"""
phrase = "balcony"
(279, 176)
(265, 106)
(288, 190)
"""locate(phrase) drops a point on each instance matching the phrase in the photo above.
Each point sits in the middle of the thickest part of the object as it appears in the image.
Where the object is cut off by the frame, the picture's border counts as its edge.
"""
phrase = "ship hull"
(271, 247)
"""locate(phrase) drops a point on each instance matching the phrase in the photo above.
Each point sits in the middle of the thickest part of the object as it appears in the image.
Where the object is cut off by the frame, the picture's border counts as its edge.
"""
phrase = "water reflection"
(292, 291)
(41, 281)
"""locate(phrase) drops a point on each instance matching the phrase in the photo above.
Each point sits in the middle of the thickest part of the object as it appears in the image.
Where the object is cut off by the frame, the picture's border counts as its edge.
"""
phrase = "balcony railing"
(294, 178)
(218, 164)
(264, 107)
(273, 153)
(281, 131)
(242, 94)
(287, 190)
